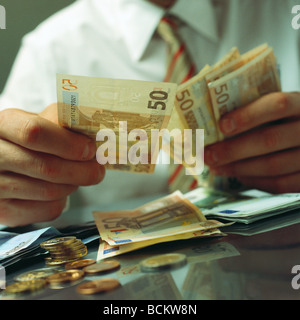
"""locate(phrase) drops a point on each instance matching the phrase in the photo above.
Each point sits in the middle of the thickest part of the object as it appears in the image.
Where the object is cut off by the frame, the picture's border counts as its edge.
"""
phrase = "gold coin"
(65, 276)
(26, 286)
(52, 263)
(102, 266)
(75, 245)
(35, 274)
(63, 249)
(97, 286)
(164, 261)
(69, 255)
(57, 241)
(79, 264)
(67, 251)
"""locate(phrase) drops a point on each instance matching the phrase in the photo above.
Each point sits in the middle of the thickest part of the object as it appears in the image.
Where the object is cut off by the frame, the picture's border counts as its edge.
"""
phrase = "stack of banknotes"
(167, 219)
(232, 82)
(245, 207)
(87, 104)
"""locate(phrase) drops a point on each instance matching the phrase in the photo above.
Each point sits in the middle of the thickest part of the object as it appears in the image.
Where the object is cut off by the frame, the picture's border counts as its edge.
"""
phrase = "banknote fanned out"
(89, 104)
(166, 219)
(252, 80)
(193, 104)
(234, 81)
(231, 83)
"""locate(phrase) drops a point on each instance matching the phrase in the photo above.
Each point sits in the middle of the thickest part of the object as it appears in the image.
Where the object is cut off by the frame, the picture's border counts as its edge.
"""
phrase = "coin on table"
(97, 286)
(36, 274)
(26, 286)
(57, 241)
(65, 276)
(162, 262)
(79, 264)
(102, 266)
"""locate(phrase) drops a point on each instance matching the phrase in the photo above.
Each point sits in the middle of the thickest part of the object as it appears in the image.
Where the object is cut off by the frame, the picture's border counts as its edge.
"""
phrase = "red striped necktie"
(180, 68)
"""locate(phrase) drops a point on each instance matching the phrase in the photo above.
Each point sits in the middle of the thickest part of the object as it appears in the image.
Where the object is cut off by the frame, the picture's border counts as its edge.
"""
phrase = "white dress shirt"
(116, 39)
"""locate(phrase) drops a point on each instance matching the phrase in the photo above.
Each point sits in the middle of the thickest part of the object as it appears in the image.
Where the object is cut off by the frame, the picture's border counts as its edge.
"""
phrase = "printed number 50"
(158, 97)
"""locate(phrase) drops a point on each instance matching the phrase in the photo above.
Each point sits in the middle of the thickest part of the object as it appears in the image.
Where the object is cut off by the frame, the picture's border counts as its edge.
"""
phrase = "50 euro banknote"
(90, 104)
(252, 77)
(193, 104)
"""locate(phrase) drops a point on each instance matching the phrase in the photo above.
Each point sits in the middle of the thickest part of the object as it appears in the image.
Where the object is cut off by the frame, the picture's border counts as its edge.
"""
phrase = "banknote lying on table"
(166, 219)
(245, 207)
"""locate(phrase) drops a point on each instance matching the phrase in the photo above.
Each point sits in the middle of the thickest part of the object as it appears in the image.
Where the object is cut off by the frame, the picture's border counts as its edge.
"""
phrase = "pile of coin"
(67, 251)
(63, 250)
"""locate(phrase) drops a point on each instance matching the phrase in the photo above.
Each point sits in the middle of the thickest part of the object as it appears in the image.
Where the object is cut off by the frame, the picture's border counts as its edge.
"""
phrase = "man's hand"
(41, 163)
(263, 145)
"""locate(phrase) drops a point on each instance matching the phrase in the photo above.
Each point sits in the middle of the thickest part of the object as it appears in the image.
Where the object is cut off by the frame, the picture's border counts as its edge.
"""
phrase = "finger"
(282, 184)
(256, 143)
(49, 168)
(36, 133)
(277, 164)
(14, 186)
(15, 213)
(269, 108)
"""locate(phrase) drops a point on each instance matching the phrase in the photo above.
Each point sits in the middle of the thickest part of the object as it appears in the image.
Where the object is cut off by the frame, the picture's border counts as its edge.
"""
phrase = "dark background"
(22, 16)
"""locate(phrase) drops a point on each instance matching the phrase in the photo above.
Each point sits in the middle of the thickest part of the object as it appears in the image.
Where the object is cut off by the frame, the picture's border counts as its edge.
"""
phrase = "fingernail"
(211, 157)
(228, 125)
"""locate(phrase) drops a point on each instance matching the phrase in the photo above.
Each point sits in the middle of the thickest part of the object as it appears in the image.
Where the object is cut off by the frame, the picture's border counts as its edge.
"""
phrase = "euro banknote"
(90, 104)
(193, 104)
(247, 83)
(235, 80)
(107, 251)
(167, 219)
(244, 207)
(168, 216)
